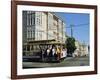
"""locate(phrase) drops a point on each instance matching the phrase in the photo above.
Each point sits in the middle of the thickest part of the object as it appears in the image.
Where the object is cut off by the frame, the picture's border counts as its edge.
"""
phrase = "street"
(68, 61)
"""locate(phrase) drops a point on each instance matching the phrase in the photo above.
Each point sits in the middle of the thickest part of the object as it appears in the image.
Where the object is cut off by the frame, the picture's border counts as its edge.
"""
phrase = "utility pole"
(79, 25)
(71, 26)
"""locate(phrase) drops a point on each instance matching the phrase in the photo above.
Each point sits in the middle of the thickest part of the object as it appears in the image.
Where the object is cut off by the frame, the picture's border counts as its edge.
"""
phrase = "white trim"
(21, 71)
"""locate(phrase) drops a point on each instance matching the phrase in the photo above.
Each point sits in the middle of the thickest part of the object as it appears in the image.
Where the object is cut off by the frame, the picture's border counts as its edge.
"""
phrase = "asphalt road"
(69, 61)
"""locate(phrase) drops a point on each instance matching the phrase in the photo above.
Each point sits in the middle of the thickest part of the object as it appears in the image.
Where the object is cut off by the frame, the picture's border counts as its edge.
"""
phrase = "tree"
(70, 45)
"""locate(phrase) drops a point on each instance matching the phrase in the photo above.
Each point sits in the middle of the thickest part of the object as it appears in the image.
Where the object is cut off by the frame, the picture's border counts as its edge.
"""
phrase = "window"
(27, 18)
(33, 18)
(30, 18)
(38, 18)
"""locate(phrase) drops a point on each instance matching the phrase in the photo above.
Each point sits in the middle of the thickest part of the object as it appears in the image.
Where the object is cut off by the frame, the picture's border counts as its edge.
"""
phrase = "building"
(42, 28)
(81, 49)
(77, 52)
(84, 49)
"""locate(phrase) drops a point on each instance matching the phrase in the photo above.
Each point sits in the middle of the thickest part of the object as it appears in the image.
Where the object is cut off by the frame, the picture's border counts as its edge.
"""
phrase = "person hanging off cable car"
(58, 53)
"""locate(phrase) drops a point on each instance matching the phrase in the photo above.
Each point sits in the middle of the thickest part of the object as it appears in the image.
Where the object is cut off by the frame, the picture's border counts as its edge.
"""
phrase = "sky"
(81, 25)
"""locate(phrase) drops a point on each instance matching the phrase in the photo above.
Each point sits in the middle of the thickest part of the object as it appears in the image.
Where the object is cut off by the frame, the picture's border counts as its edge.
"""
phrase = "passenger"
(53, 52)
(64, 54)
(58, 53)
(60, 49)
(50, 53)
(45, 54)
(40, 52)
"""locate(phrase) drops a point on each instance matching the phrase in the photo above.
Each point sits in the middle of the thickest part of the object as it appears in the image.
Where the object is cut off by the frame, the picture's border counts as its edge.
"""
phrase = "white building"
(81, 49)
(42, 26)
(84, 50)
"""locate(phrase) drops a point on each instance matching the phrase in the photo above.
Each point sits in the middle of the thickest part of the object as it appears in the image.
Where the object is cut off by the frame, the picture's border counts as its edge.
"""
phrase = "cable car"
(44, 50)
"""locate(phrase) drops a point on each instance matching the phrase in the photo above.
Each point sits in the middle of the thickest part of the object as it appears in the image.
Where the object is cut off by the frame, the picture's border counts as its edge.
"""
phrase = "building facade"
(81, 49)
(42, 26)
